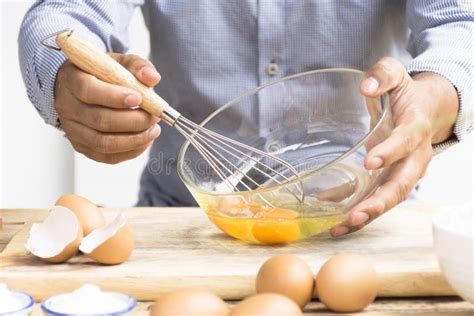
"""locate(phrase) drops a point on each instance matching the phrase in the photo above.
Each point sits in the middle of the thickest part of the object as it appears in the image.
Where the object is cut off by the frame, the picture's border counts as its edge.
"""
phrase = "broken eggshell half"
(57, 238)
(111, 244)
(88, 214)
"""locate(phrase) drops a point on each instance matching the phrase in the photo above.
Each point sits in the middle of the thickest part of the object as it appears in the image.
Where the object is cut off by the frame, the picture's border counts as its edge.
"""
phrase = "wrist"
(444, 104)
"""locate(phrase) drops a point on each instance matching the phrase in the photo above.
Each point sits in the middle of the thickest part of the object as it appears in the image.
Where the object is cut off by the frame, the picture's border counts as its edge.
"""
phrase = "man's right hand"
(100, 119)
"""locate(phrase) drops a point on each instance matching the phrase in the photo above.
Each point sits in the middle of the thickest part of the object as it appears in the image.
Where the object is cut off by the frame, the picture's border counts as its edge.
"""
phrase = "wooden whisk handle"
(97, 63)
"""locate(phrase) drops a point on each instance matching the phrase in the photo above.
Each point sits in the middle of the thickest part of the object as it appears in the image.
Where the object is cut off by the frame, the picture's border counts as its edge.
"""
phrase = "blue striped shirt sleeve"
(441, 41)
(104, 23)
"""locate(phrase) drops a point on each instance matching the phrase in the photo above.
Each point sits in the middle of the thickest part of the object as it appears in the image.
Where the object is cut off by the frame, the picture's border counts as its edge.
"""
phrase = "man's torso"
(209, 52)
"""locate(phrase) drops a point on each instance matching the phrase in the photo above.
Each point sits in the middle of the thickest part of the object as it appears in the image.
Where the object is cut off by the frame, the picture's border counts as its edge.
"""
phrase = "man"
(210, 51)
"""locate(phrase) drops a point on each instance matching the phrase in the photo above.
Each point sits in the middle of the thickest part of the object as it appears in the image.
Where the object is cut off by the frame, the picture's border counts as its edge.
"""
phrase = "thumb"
(386, 75)
(141, 68)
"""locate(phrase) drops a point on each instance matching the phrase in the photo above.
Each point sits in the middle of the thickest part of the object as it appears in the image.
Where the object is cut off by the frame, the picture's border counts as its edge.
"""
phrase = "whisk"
(241, 167)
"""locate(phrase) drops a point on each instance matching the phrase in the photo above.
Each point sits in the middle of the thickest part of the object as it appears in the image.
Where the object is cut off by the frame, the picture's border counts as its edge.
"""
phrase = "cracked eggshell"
(57, 239)
(111, 244)
(88, 213)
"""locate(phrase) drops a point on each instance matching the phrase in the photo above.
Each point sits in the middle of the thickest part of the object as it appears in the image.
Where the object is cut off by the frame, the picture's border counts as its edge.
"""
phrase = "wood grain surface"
(178, 247)
(439, 306)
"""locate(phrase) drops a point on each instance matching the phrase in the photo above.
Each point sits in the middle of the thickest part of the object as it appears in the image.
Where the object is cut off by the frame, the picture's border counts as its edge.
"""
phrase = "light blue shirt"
(209, 51)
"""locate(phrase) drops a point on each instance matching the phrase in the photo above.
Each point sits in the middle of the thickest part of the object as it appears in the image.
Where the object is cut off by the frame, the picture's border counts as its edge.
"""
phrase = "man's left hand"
(424, 109)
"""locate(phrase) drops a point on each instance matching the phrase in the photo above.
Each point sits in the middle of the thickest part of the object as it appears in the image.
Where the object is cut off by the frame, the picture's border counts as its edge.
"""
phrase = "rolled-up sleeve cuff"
(460, 78)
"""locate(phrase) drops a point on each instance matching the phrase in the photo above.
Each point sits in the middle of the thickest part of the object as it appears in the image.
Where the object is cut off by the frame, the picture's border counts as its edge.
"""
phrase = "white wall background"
(36, 160)
(37, 164)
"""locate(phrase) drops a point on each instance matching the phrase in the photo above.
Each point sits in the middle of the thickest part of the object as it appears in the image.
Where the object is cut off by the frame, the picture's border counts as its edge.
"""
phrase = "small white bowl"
(453, 241)
(28, 304)
(49, 305)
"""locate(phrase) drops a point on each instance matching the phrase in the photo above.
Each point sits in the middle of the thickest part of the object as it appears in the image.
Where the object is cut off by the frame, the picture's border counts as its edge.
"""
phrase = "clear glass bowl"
(319, 122)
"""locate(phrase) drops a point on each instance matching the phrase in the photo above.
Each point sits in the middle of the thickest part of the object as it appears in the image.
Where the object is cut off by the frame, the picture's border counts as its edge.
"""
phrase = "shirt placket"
(271, 37)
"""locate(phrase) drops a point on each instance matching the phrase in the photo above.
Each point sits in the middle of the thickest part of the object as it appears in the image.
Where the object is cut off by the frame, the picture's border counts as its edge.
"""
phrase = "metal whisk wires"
(238, 165)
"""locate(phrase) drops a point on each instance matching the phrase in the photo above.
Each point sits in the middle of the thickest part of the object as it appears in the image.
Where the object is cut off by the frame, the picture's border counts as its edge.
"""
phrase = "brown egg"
(189, 302)
(57, 239)
(287, 275)
(111, 244)
(347, 283)
(88, 213)
(266, 304)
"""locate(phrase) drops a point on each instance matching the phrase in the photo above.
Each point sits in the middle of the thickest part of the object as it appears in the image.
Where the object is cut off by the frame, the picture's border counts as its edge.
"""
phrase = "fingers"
(404, 139)
(108, 120)
(102, 119)
(141, 68)
(91, 90)
(109, 143)
(117, 121)
(98, 118)
(407, 149)
(338, 193)
(387, 74)
(401, 180)
(109, 158)
(358, 218)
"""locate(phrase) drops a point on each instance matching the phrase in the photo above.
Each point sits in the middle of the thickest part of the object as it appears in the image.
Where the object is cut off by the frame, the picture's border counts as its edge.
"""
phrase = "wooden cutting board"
(179, 247)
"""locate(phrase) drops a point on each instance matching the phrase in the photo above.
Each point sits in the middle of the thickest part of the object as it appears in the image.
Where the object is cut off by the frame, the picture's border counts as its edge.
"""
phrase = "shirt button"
(273, 147)
(272, 69)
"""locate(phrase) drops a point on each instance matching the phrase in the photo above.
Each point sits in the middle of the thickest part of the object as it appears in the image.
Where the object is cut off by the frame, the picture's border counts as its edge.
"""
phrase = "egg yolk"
(276, 225)
(237, 228)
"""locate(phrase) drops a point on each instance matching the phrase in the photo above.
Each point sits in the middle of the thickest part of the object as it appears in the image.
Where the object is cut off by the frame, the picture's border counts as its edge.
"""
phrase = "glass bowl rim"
(185, 145)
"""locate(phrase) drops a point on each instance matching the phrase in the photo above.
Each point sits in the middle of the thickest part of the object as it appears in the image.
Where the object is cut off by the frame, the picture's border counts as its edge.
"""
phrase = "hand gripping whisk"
(239, 166)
